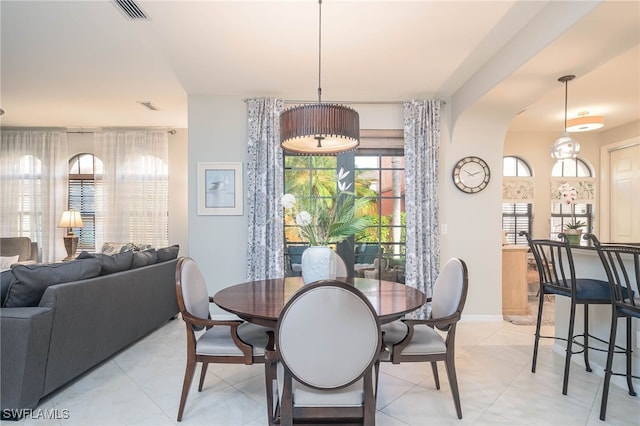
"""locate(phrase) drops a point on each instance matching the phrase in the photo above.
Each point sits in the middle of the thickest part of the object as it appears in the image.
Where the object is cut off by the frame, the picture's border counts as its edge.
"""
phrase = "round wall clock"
(471, 175)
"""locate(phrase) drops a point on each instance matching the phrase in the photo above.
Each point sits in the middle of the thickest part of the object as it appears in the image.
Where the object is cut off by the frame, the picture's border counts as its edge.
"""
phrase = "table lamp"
(70, 219)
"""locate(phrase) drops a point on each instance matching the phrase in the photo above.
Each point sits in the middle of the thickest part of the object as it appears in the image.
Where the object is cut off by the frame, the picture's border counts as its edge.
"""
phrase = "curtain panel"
(265, 187)
(34, 168)
(422, 152)
(135, 185)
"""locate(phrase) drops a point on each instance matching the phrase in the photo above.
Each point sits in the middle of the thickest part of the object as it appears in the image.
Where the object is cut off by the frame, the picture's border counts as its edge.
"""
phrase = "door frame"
(604, 199)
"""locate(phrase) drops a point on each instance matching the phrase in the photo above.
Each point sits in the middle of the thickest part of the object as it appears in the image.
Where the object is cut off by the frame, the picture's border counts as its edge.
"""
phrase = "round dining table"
(260, 302)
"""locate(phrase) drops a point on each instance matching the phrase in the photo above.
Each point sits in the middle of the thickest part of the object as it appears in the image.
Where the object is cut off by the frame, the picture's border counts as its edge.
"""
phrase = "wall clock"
(471, 175)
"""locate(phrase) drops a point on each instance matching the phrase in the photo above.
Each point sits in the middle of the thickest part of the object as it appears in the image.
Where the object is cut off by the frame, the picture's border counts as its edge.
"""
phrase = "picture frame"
(220, 190)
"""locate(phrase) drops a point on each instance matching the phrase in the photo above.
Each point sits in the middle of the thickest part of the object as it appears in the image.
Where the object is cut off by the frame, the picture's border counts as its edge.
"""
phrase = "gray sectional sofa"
(66, 326)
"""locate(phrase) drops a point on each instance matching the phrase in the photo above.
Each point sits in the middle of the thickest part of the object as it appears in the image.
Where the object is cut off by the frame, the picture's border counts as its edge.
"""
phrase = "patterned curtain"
(265, 186)
(421, 152)
(34, 172)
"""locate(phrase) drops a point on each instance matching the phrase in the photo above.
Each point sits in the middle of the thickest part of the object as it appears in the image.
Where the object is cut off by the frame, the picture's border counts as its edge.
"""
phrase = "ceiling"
(83, 64)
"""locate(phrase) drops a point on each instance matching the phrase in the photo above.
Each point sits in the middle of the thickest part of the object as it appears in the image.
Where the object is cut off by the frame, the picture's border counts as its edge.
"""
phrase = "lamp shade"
(71, 219)
(585, 123)
(319, 129)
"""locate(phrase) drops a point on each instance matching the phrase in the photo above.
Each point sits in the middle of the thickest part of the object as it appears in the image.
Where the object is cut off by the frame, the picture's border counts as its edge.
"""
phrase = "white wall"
(218, 132)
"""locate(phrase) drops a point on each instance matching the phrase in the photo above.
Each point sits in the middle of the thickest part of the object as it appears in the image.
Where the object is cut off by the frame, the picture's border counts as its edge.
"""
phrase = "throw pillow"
(7, 261)
(144, 258)
(33, 280)
(113, 248)
(6, 280)
(116, 263)
(111, 263)
(168, 253)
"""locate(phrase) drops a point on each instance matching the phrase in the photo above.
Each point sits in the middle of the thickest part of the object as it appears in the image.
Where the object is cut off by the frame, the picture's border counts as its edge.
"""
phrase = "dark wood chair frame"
(284, 412)
(447, 324)
(624, 289)
(194, 324)
(557, 276)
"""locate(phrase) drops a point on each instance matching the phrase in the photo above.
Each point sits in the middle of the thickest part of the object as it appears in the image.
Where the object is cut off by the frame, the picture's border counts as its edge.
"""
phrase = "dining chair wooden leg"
(369, 414)
(203, 373)
(586, 338)
(188, 378)
(453, 382)
(436, 377)
(537, 334)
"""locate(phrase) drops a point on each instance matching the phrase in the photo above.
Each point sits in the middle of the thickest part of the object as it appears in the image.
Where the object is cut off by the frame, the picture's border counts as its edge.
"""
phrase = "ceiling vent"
(148, 105)
(130, 9)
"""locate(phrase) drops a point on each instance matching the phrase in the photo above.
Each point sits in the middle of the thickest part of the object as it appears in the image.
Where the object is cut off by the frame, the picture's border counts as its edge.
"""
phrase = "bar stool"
(558, 277)
(622, 266)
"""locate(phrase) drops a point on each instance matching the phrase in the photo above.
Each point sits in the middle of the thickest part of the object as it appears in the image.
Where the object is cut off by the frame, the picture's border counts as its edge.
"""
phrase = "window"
(30, 170)
(561, 214)
(516, 217)
(85, 188)
(379, 174)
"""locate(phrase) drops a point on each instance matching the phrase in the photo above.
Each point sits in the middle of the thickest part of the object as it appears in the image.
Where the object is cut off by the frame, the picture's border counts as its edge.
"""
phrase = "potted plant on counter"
(573, 229)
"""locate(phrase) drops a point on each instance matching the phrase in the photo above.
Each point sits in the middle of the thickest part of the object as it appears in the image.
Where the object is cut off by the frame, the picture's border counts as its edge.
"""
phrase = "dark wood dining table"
(260, 302)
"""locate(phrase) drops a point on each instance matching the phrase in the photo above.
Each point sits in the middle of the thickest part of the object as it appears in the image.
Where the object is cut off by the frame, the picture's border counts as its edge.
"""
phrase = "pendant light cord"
(566, 94)
(320, 52)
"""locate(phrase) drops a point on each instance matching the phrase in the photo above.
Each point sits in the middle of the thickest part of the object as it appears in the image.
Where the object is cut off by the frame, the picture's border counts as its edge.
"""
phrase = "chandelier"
(565, 147)
(319, 129)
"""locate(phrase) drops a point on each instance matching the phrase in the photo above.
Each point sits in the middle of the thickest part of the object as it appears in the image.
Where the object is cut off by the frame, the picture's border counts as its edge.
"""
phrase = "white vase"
(318, 263)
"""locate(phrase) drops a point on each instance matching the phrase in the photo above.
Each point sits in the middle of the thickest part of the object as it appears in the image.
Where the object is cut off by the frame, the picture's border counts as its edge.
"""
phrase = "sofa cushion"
(33, 280)
(110, 263)
(144, 258)
(168, 253)
(6, 280)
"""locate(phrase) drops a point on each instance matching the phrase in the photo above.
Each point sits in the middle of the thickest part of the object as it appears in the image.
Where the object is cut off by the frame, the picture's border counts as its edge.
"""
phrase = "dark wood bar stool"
(558, 277)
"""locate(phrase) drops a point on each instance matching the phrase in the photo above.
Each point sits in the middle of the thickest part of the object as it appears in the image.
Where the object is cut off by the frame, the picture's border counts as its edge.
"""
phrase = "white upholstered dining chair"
(229, 340)
(433, 339)
(328, 340)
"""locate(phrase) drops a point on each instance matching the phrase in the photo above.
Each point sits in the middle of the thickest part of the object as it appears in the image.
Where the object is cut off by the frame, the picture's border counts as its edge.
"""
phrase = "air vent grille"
(130, 9)
(148, 105)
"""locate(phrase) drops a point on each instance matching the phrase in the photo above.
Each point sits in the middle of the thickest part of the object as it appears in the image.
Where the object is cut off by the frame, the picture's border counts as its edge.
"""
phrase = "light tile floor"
(141, 386)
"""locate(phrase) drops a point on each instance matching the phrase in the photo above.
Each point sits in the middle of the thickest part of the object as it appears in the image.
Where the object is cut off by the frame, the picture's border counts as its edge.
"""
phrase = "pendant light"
(565, 147)
(319, 129)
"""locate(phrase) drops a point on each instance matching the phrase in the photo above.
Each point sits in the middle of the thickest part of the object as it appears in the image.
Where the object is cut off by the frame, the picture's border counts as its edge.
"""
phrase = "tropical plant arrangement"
(568, 195)
(321, 224)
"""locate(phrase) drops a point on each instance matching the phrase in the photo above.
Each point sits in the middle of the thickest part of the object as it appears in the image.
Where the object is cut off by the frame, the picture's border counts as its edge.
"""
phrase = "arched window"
(516, 217)
(85, 188)
(561, 214)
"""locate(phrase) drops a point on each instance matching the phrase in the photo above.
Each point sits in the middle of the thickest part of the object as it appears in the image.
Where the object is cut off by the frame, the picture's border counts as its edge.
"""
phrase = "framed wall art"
(220, 188)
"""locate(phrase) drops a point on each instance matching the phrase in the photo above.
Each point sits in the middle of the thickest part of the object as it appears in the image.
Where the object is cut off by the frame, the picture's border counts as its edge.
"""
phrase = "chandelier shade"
(565, 147)
(319, 129)
(585, 123)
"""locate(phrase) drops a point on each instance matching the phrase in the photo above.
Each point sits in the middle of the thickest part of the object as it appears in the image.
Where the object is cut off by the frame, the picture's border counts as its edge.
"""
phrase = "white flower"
(342, 173)
(342, 186)
(303, 218)
(568, 193)
(288, 201)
